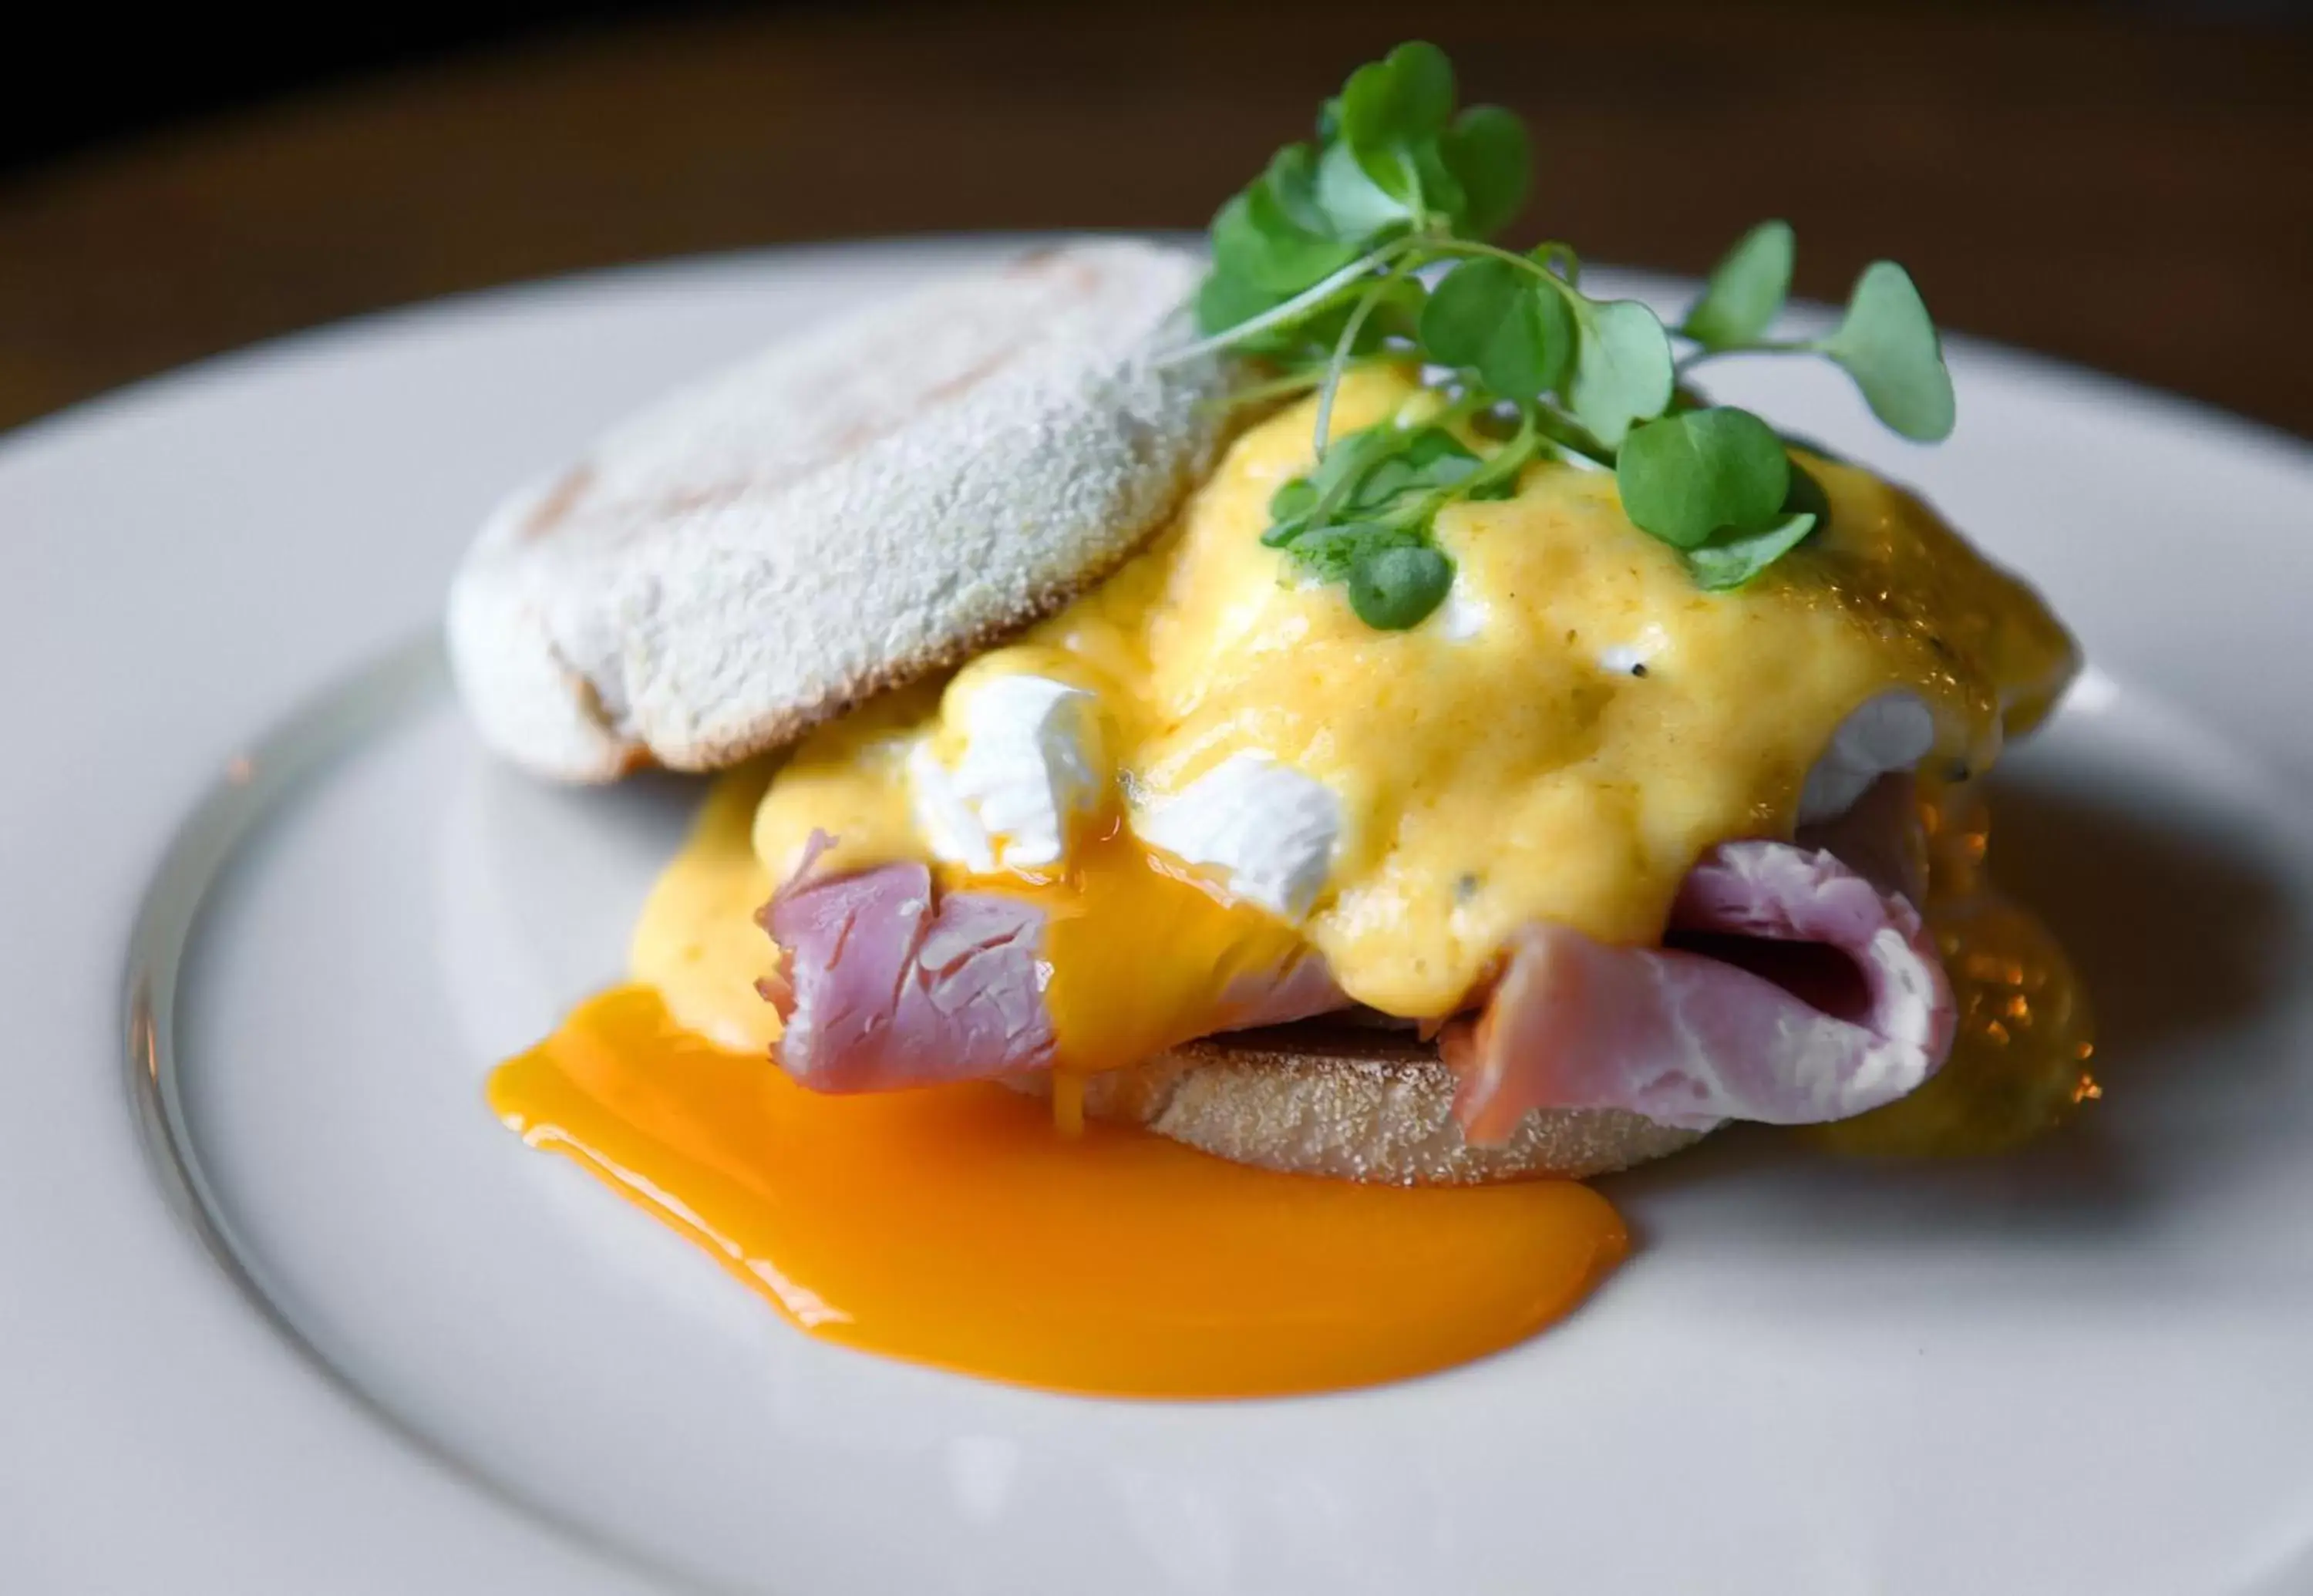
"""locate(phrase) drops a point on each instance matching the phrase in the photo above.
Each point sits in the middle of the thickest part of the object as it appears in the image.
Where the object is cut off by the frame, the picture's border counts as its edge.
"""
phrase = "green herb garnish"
(1374, 245)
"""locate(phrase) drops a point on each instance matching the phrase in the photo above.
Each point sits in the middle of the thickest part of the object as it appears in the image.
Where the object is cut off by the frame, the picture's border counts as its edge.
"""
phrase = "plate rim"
(121, 409)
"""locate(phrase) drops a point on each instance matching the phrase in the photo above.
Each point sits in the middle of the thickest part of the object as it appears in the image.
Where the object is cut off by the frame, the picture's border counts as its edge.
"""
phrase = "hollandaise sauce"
(2019, 1062)
(1559, 742)
(955, 1226)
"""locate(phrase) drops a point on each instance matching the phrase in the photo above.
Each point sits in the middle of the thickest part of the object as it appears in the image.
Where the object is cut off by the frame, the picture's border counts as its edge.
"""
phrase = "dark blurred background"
(2127, 185)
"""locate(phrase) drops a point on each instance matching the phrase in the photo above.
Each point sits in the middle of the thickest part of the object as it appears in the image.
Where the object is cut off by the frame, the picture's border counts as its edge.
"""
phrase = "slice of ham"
(1879, 837)
(1302, 989)
(1792, 990)
(1796, 984)
(889, 982)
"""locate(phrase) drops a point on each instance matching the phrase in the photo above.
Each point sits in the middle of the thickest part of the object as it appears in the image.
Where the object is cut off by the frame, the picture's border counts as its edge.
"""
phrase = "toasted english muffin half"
(1356, 1102)
(842, 514)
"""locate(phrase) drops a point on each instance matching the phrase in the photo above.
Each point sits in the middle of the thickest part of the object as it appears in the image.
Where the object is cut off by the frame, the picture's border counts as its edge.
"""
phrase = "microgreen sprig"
(1377, 243)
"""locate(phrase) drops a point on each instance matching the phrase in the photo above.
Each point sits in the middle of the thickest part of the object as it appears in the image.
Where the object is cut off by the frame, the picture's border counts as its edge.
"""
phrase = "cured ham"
(1790, 990)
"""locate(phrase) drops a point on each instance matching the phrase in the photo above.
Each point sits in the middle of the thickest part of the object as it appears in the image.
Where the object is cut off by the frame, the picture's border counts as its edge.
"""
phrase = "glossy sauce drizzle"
(953, 1226)
(2026, 1033)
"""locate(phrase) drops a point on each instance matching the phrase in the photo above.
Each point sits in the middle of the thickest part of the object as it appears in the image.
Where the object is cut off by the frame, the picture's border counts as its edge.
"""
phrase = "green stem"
(1532, 268)
(1769, 346)
(1321, 512)
(1511, 457)
(1502, 463)
(1564, 255)
(1570, 437)
(1336, 367)
(1284, 387)
(1317, 296)
(1371, 438)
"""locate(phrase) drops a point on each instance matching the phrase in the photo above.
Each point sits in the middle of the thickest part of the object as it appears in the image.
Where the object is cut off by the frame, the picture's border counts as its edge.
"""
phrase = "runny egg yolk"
(1558, 744)
(952, 1226)
(1137, 945)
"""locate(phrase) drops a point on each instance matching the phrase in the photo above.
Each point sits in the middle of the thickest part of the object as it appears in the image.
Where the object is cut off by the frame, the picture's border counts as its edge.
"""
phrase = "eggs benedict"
(1640, 859)
(1385, 735)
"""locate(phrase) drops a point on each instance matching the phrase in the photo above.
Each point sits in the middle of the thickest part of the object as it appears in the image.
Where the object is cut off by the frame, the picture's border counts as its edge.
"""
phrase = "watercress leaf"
(1331, 552)
(1732, 559)
(1622, 367)
(1434, 449)
(1238, 245)
(1396, 586)
(1355, 205)
(1464, 310)
(1487, 152)
(1422, 461)
(1369, 129)
(1491, 317)
(1294, 500)
(1745, 290)
(1550, 321)
(1389, 480)
(1441, 191)
(1425, 88)
(1342, 470)
(1391, 108)
(1264, 245)
(1292, 179)
(1351, 455)
(1396, 312)
(1379, 484)
(1225, 299)
(1688, 476)
(1888, 345)
(1403, 97)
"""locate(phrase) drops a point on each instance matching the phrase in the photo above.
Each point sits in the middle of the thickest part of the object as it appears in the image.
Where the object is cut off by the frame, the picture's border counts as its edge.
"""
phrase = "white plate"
(375, 1346)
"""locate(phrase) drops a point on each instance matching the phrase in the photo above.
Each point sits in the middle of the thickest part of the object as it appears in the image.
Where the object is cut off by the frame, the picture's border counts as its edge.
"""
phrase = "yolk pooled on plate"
(1560, 747)
(955, 1226)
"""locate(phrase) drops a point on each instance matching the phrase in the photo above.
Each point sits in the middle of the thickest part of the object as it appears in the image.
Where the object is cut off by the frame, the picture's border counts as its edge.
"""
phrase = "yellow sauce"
(2019, 1062)
(953, 1226)
(1509, 775)
(698, 943)
(2019, 1058)
(1135, 942)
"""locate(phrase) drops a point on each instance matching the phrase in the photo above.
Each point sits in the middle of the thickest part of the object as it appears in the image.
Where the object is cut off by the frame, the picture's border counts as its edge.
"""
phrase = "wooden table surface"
(2131, 193)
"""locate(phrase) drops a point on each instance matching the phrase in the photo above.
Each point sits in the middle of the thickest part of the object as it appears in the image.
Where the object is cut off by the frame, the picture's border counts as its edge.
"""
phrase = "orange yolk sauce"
(1142, 951)
(955, 1226)
(979, 1229)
